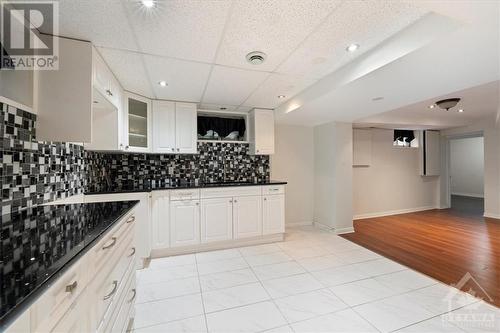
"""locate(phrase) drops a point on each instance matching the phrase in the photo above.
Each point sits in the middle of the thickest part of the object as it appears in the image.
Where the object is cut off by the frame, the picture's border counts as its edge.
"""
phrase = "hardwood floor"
(444, 244)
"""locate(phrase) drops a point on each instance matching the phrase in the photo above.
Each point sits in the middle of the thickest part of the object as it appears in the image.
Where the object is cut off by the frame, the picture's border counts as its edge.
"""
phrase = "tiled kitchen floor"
(314, 281)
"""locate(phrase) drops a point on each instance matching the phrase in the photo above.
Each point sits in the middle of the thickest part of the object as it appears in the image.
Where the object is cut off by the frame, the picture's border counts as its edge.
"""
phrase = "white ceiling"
(480, 102)
(199, 47)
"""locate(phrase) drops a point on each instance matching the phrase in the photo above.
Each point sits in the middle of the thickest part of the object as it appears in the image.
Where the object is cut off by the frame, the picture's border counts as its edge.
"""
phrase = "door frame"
(445, 192)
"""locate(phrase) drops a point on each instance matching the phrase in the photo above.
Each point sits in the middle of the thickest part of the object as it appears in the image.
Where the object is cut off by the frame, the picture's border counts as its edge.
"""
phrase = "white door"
(184, 222)
(186, 128)
(163, 127)
(264, 132)
(160, 235)
(216, 219)
(273, 216)
(247, 214)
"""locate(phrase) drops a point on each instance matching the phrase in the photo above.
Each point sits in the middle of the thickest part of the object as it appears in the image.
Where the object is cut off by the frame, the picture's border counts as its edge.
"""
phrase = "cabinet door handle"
(265, 199)
(230, 201)
(127, 147)
(131, 219)
(133, 297)
(173, 149)
(197, 204)
(115, 286)
(71, 287)
(235, 201)
(113, 242)
(109, 92)
(178, 149)
(133, 252)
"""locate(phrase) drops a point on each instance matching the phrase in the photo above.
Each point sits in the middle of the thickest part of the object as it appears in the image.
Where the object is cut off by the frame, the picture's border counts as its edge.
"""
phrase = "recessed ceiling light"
(256, 57)
(352, 47)
(460, 110)
(432, 106)
(281, 96)
(163, 83)
(222, 108)
(148, 3)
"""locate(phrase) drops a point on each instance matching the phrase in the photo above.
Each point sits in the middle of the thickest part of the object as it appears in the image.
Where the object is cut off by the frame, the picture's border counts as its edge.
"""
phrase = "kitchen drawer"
(56, 301)
(106, 291)
(105, 249)
(121, 318)
(273, 189)
(239, 191)
(176, 195)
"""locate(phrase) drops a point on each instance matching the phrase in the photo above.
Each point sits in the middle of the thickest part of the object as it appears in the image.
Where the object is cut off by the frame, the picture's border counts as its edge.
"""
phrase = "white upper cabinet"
(63, 97)
(137, 123)
(185, 128)
(174, 127)
(104, 81)
(163, 127)
(261, 133)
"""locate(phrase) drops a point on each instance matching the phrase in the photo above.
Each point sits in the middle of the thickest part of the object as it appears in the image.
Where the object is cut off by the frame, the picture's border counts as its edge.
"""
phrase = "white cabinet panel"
(247, 215)
(184, 223)
(138, 123)
(216, 219)
(160, 233)
(273, 214)
(361, 147)
(261, 123)
(186, 128)
(164, 126)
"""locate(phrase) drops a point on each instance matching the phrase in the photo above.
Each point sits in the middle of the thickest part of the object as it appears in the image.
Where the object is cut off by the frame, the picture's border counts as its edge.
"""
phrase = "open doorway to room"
(466, 171)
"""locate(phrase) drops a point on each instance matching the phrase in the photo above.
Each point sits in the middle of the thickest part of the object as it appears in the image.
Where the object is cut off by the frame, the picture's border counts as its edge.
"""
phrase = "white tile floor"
(315, 281)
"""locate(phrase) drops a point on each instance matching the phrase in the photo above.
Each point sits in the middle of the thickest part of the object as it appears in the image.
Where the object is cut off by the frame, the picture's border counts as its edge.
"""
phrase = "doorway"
(466, 174)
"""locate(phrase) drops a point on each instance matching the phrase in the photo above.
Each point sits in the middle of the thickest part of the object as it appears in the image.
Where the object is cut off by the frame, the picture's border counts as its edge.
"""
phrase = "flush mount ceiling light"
(461, 110)
(281, 96)
(448, 103)
(256, 57)
(148, 3)
(163, 84)
(352, 47)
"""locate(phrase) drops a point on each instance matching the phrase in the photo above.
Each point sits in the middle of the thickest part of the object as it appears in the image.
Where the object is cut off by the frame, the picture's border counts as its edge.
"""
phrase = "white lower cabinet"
(216, 219)
(273, 214)
(184, 222)
(247, 216)
(160, 227)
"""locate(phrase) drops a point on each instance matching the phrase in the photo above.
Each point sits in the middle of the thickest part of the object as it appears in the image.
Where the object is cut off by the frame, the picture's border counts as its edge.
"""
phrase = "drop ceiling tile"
(183, 29)
(186, 79)
(366, 23)
(266, 96)
(129, 70)
(231, 86)
(275, 27)
(243, 108)
(104, 23)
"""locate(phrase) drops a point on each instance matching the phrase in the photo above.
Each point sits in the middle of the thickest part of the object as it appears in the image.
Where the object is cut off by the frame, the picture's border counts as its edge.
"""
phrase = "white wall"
(491, 134)
(392, 184)
(293, 161)
(467, 166)
(333, 176)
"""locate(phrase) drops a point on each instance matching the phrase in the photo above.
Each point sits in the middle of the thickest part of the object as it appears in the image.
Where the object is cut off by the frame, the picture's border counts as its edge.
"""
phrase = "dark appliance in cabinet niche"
(217, 127)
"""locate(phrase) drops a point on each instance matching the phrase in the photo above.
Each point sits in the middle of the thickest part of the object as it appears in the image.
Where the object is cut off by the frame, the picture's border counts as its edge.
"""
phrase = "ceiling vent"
(448, 103)
(256, 57)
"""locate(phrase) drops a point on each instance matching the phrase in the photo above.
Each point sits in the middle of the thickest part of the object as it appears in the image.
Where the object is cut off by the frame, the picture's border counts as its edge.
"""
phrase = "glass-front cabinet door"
(138, 127)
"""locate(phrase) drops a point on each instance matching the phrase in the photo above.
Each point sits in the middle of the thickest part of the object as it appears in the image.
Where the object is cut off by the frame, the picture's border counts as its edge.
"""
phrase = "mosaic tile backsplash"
(35, 172)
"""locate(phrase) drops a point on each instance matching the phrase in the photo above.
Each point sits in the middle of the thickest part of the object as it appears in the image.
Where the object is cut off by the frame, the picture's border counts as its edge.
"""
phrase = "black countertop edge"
(10, 317)
(184, 187)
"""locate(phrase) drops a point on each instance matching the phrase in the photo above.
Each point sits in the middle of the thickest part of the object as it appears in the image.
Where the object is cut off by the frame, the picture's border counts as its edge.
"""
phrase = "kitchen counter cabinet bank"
(68, 268)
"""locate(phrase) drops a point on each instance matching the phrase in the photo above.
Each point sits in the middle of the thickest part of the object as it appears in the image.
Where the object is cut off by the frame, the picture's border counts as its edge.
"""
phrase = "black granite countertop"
(157, 187)
(39, 244)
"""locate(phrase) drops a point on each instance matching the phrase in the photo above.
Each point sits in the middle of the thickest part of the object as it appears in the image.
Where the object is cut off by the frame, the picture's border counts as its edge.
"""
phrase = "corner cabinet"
(137, 124)
(261, 131)
(174, 127)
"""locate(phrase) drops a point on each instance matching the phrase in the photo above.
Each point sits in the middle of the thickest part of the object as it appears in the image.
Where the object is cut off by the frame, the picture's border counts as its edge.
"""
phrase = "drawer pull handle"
(133, 297)
(133, 252)
(113, 242)
(71, 287)
(131, 219)
(115, 286)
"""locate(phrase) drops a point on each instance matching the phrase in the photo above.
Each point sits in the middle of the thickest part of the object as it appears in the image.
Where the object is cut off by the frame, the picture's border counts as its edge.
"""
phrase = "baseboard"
(472, 195)
(492, 216)
(298, 224)
(323, 226)
(338, 231)
(341, 231)
(393, 212)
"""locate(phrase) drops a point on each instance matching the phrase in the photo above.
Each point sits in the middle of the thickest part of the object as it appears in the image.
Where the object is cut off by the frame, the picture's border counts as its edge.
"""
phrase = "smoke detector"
(256, 57)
